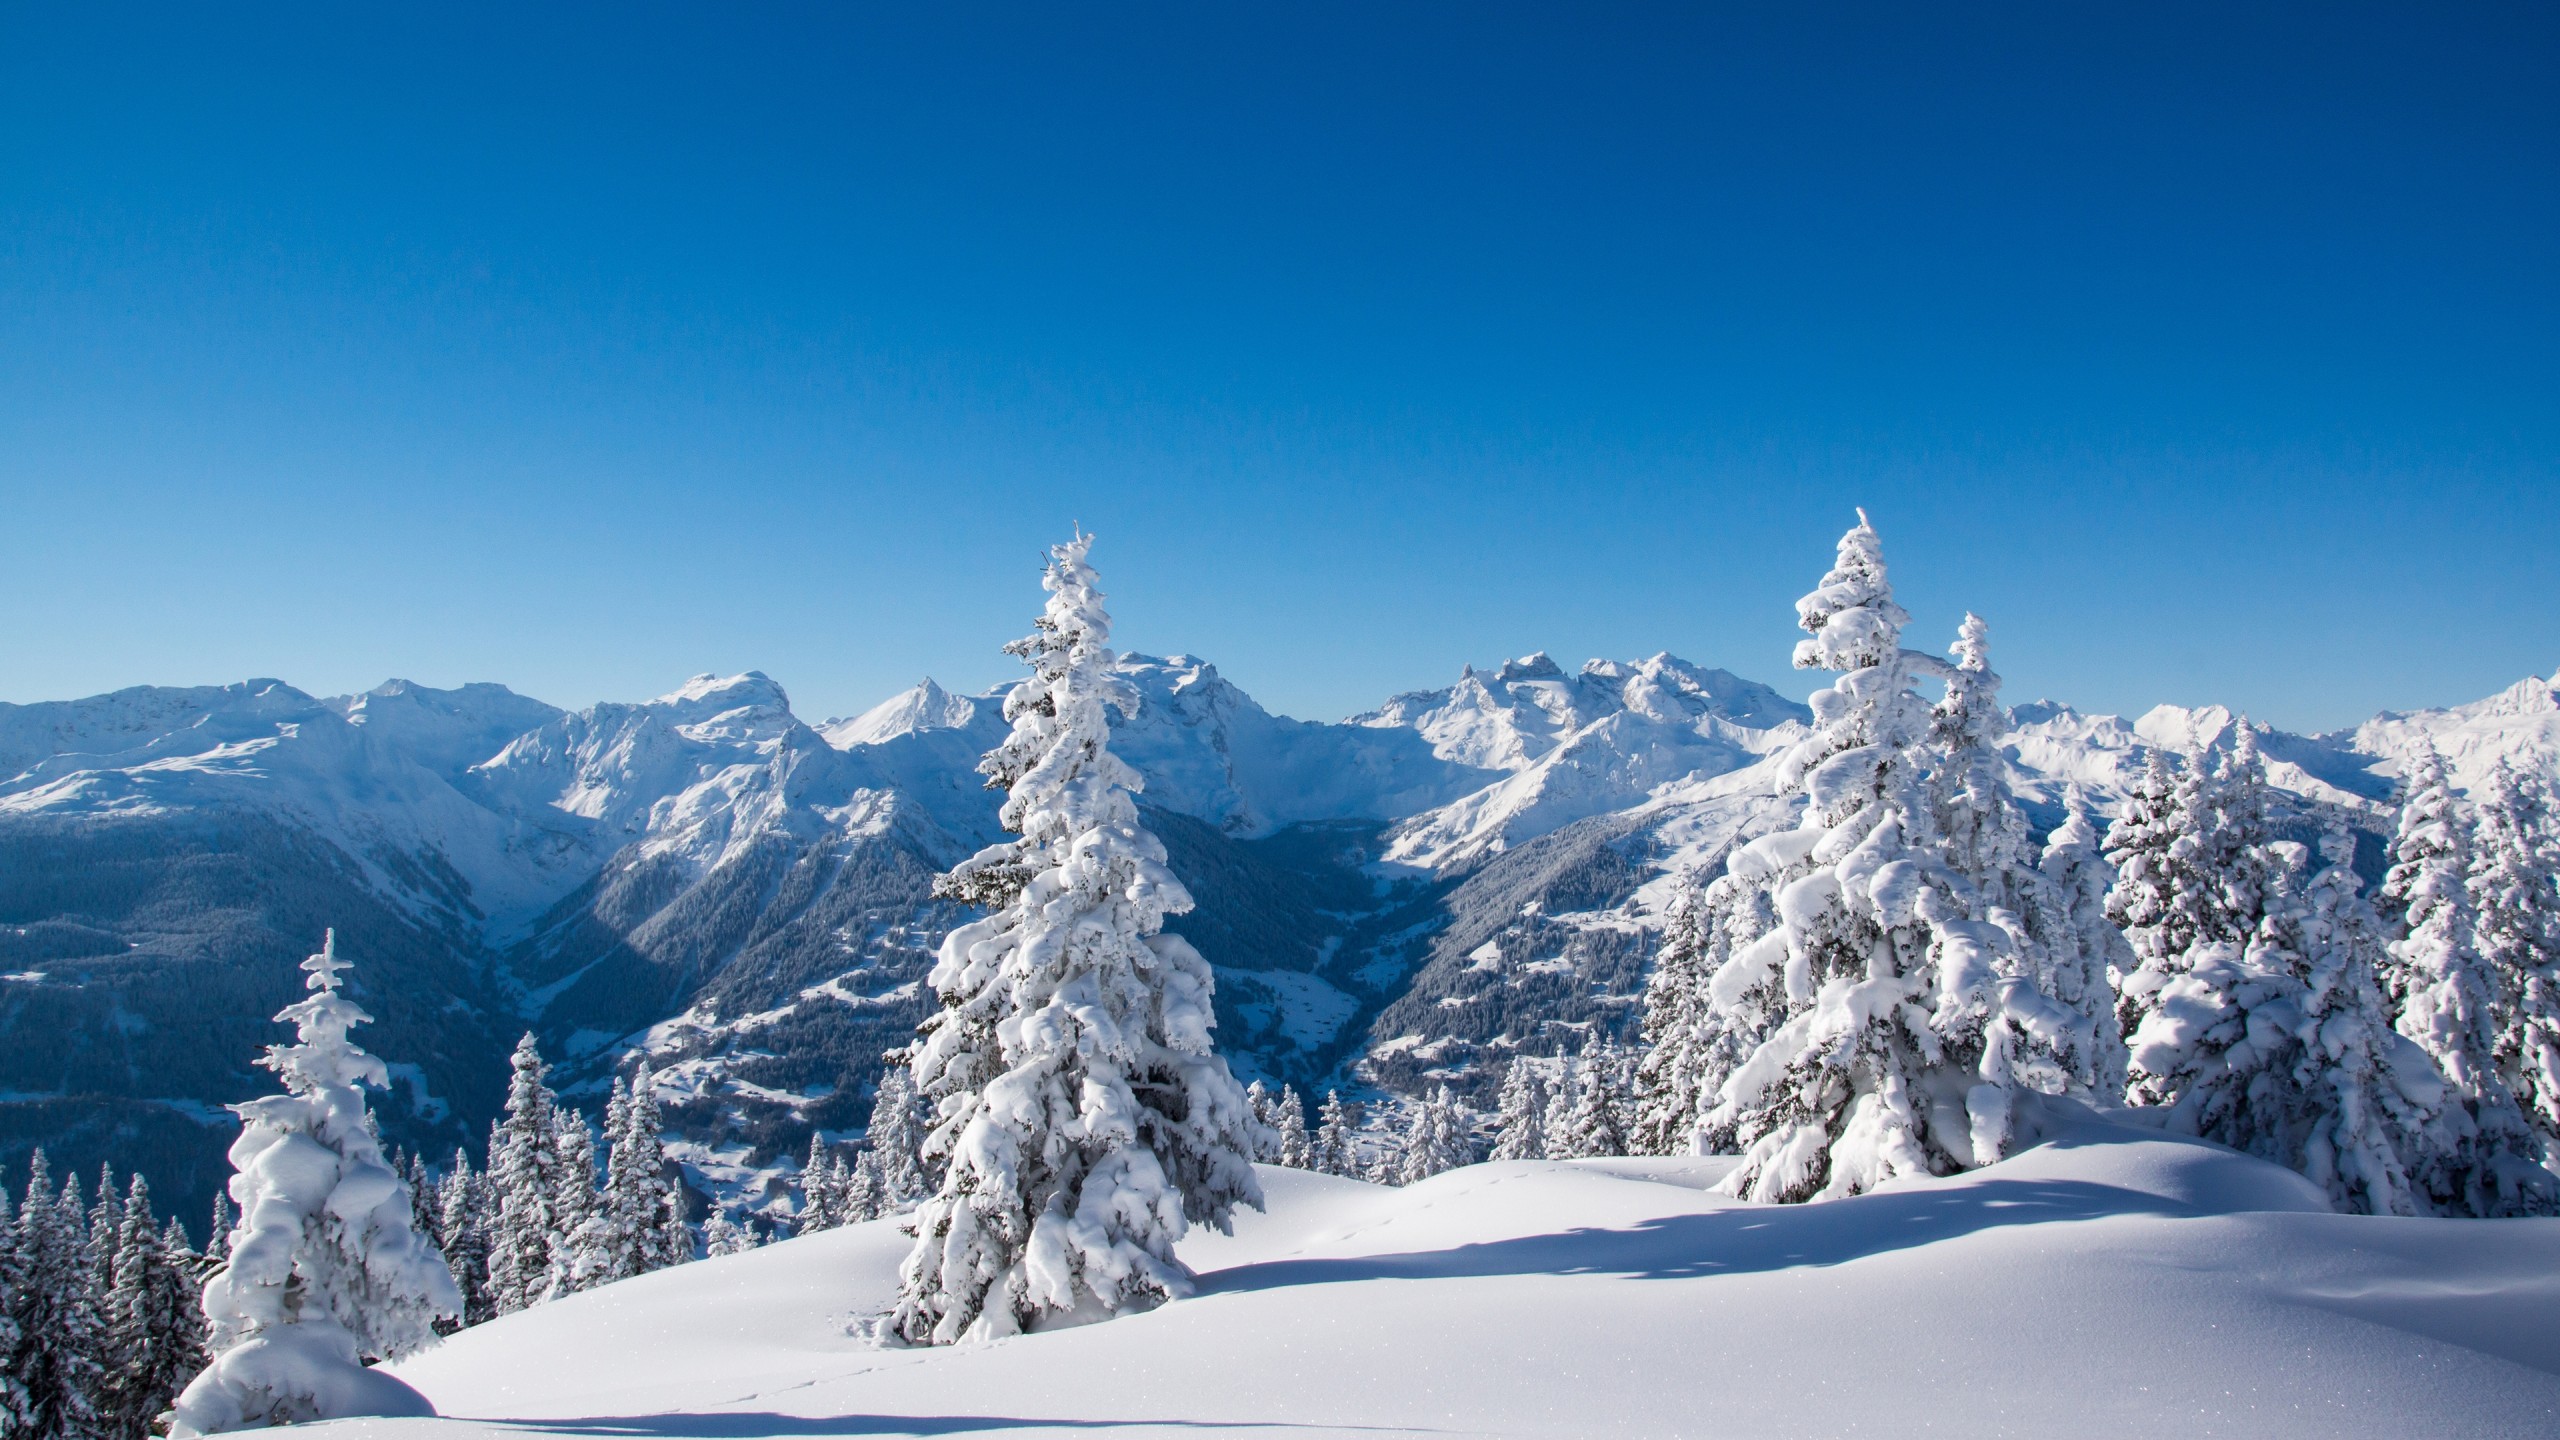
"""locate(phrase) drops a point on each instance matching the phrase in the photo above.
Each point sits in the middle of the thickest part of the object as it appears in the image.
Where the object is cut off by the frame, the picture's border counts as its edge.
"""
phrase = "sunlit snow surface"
(2107, 1283)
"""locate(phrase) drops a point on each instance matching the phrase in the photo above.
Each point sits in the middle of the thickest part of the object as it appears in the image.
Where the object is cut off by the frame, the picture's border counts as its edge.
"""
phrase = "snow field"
(2109, 1281)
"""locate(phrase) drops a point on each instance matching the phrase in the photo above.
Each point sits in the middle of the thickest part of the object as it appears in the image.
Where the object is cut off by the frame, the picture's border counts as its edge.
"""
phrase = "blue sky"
(2210, 352)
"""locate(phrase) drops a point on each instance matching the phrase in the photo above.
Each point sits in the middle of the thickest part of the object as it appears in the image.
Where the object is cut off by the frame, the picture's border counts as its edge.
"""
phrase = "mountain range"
(1401, 898)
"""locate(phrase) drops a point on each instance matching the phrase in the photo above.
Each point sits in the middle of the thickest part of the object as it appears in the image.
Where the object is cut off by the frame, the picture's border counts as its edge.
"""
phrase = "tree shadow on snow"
(1739, 1241)
(750, 1424)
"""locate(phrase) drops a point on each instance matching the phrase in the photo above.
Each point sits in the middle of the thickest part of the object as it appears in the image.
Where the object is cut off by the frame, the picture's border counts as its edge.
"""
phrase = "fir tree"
(1435, 1142)
(1556, 1138)
(1912, 1017)
(154, 1320)
(2099, 957)
(324, 1273)
(1678, 1031)
(1520, 1123)
(653, 1202)
(2486, 1159)
(2514, 889)
(1594, 1127)
(217, 1236)
(15, 1407)
(581, 1236)
(60, 1334)
(1086, 1119)
(1335, 1150)
(896, 1136)
(463, 1204)
(1296, 1151)
(863, 1198)
(724, 1236)
(524, 1173)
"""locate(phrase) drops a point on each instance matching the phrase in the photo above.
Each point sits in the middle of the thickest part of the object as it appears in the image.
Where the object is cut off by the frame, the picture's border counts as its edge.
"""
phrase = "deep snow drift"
(2108, 1282)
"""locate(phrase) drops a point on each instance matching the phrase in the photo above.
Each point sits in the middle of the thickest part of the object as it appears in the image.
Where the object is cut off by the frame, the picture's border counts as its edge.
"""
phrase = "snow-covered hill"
(2108, 1282)
(1403, 898)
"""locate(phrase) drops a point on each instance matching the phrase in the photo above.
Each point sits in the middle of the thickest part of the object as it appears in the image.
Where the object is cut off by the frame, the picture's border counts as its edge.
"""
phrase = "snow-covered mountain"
(1397, 899)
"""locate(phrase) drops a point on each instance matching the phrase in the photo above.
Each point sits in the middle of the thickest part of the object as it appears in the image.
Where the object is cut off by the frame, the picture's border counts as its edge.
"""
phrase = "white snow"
(2109, 1282)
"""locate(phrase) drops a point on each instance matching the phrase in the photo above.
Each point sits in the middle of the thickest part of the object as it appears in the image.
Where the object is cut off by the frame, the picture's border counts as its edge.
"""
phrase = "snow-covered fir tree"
(896, 1140)
(1084, 1116)
(1556, 1138)
(2514, 890)
(1520, 1120)
(2282, 1047)
(579, 1243)
(1297, 1151)
(1908, 1020)
(1266, 1122)
(2488, 1160)
(1677, 1071)
(2199, 877)
(724, 1236)
(1595, 1125)
(863, 1197)
(1336, 1150)
(15, 1412)
(464, 1207)
(1435, 1140)
(823, 1179)
(325, 1273)
(217, 1235)
(154, 1320)
(524, 1178)
(647, 1200)
(60, 1335)
(2081, 876)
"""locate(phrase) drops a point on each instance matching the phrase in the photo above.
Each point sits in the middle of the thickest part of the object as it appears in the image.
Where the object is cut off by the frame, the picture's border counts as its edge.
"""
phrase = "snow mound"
(2108, 1281)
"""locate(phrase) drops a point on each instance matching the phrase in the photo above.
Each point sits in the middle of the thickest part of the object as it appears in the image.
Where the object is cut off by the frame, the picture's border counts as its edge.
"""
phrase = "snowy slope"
(2112, 1282)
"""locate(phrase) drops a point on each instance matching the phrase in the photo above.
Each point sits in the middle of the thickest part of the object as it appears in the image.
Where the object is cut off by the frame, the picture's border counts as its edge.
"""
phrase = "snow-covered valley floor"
(2108, 1282)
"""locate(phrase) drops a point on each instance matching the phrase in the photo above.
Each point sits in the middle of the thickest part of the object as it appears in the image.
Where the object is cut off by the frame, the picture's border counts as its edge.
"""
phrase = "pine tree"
(863, 1198)
(1435, 1142)
(1594, 1127)
(1520, 1122)
(2485, 1159)
(1556, 1138)
(463, 1204)
(15, 1404)
(1295, 1150)
(154, 1321)
(1672, 1079)
(60, 1334)
(2281, 1047)
(524, 1171)
(324, 1272)
(1086, 1118)
(2097, 959)
(1335, 1150)
(724, 1236)
(822, 1189)
(2514, 889)
(426, 1207)
(653, 1202)
(896, 1136)
(580, 1244)
(217, 1236)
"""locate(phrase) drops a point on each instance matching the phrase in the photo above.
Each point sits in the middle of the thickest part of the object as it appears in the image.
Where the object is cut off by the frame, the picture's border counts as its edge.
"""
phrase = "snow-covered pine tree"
(1296, 1151)
(2486, 1159)
(1435, 1142)
(217, 1236)
(2281, 1047)
(325, 1273)
(863, 1197)
(2515, 896)
(1903, 1012)
(896, 1137)
(1595, 1127)
(1086, 1118)
(14, 1409)
(1335, 1151)
(1556, 1138)
(426, 1205)
(580, 1245)
(724, 1236)
(1266, 1123)
(60, 1334)
(463, 1203)
(2082, 879)
(524, 1175)
(1672, 1077)
(821, 1189)
(651, 1201)
(1520, 1121)
(155, 1322)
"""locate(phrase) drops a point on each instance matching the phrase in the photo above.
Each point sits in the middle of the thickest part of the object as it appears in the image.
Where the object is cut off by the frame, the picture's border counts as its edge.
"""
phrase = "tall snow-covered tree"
(1594, 1126)
(154, 1321)
(524, 1176)
(1677, 1072)
(2514, 890)
(1520, 1122)
(1086, 1119)
(1296, 1150)
(1435, 1141)
(217, 1235)
(325, 1272)
(2092, 965)
(822, 1189)
(1905, 1015)
(463, 1205)
(1336, 1150)
(15, 1411)
(580, 1246)
(862, 1195)
(1556, 1137)
(61, 1336)
(1266, 1122)
(896, 1138)
(2486, 1159)
(2281, 1047)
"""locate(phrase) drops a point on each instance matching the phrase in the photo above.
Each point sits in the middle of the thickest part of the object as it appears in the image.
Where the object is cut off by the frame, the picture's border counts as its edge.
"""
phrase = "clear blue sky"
(2212, 353)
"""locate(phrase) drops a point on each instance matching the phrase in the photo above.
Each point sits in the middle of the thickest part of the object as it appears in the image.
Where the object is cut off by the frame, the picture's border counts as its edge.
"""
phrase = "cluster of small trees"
(1869, 993)
(99, 1324)
(543, 1219)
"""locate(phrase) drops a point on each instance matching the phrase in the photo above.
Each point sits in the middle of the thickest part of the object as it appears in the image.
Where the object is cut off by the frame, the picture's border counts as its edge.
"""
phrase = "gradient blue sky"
(2211, 352)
